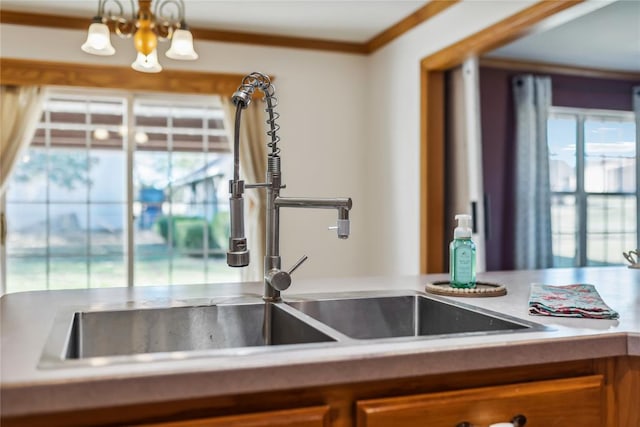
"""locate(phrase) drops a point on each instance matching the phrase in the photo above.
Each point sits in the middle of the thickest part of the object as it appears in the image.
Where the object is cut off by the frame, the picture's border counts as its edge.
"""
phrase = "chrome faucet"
(275, 279)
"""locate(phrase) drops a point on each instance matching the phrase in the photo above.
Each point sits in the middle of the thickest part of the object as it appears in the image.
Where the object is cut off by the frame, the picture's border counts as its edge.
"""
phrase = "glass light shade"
(182, 46)
(147, 63)
(98, 40)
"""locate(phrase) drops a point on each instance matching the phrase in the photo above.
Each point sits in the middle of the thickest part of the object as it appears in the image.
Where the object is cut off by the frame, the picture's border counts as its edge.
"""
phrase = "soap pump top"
(463, 230)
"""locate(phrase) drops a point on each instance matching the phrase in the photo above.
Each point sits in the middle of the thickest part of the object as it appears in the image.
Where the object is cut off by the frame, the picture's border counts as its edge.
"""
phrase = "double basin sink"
(247, 325)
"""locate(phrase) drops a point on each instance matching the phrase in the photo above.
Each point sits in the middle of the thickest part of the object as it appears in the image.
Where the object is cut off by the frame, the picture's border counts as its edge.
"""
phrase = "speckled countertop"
(27, 318)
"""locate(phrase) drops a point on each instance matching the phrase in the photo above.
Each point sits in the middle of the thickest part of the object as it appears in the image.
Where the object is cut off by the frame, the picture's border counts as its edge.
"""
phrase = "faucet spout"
(342, 204)
(343, 224)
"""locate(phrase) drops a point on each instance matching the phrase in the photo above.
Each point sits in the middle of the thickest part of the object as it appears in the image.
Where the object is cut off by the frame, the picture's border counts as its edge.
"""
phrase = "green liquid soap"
(462, 255)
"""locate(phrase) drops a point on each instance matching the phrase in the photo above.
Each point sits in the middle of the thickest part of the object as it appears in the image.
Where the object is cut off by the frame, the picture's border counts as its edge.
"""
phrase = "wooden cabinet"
(567, 402)
(304, 417)
(585, 393)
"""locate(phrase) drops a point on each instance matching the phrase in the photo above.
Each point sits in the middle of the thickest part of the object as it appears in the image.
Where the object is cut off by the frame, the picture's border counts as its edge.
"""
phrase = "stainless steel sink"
(232, 326)
(129, 332)
(110, 333)
(405, 316)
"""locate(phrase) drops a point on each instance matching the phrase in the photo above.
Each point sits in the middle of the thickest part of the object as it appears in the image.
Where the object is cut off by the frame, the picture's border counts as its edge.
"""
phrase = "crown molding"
(426, 12)
(278, 41)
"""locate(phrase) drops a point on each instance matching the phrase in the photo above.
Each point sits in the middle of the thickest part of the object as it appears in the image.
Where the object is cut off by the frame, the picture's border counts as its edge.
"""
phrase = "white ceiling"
(343, 20)
(608, 38)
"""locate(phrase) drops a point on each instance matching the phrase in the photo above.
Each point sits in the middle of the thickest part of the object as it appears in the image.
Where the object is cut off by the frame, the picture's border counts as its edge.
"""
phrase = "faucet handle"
(342, 228)
(298, 264)
(280, 279)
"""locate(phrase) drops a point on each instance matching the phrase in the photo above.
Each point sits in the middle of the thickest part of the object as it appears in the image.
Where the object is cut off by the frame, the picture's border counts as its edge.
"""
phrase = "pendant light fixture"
(166, 22)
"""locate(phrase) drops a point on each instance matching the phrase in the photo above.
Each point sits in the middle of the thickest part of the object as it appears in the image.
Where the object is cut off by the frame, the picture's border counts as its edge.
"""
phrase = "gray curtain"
(533, 248)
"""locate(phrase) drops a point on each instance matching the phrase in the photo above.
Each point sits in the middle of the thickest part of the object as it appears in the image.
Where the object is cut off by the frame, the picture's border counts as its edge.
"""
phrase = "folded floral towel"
(569, 301)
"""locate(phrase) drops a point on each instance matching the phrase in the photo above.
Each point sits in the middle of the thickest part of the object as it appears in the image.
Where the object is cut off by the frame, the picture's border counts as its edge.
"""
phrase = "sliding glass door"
(120, 190)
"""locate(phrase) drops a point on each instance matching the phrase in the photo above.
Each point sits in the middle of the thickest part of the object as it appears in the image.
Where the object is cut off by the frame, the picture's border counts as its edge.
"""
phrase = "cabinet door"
(564, 402)
(317, 416)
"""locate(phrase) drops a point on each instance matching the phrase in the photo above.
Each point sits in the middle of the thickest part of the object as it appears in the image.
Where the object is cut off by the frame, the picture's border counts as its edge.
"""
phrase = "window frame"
(581, 195)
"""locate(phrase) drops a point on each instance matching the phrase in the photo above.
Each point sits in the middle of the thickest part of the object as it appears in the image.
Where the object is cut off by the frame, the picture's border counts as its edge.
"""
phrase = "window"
(85, 208)
(593, 159)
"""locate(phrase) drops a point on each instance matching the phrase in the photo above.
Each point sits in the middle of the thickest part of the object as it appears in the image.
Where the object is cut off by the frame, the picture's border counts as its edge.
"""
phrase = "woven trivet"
(482, 289)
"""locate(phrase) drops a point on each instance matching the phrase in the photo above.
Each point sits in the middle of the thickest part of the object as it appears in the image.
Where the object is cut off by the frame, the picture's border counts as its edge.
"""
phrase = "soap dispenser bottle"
(462, 256)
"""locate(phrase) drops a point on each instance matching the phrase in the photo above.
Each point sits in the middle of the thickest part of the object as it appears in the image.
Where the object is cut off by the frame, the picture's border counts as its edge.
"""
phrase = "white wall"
(350, 127)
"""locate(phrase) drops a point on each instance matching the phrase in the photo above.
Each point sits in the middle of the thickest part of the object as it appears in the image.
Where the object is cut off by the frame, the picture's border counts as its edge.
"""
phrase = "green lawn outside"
(30, 274)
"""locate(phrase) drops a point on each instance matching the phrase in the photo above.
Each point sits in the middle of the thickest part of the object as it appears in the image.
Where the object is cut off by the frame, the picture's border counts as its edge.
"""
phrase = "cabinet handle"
(517, 421)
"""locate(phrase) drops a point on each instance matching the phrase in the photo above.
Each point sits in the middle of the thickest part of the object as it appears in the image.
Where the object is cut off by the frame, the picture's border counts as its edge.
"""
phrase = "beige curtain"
(253, 169)
(20, 111)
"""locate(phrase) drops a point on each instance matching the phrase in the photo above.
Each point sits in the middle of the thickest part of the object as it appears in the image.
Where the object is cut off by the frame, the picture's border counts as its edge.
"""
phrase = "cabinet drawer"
(317, 416)
(564, 402)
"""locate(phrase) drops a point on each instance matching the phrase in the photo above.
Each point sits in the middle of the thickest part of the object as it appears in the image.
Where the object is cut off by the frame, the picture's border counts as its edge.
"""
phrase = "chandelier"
(166, 22)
